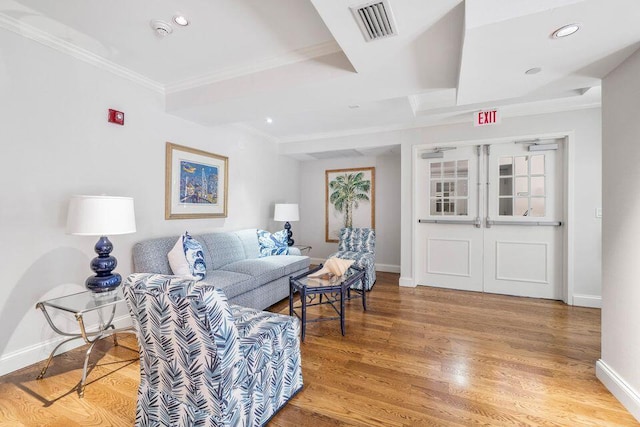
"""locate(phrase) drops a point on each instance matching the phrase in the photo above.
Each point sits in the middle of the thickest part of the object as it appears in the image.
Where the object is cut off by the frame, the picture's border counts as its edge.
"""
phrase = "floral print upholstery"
(359, 244)
(204, 362)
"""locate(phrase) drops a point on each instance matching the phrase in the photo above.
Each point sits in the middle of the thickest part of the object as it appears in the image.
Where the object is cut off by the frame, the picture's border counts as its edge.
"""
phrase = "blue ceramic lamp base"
(103, 265)
(287, 227)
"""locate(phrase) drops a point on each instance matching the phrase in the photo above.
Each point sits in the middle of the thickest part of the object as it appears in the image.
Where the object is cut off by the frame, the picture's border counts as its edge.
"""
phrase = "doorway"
(490, 218)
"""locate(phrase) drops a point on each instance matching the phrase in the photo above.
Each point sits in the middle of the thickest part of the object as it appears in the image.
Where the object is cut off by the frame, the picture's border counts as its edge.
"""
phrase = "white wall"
(56, 142)
(310, 230)
(586, 128)
(618, 368)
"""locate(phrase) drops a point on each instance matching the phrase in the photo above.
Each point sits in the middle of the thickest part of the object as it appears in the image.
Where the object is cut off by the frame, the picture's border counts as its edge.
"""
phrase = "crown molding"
(25, 30)
(292, 57)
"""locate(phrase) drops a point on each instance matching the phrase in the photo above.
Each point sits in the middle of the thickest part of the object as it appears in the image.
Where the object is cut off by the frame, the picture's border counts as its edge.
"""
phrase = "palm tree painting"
(349, 200)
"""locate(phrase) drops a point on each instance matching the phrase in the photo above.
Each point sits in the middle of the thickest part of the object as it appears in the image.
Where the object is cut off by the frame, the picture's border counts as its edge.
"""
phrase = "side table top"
(84, 301)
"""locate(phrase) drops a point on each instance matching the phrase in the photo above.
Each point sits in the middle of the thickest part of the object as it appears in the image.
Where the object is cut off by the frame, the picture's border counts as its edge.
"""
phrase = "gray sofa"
(233, 265)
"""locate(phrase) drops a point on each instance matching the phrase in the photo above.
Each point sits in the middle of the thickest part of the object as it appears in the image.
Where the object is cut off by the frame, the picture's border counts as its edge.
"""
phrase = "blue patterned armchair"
(204, 362)
(359, 244)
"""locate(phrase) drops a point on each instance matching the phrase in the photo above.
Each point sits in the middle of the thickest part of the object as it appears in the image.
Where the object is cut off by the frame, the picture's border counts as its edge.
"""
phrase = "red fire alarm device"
(116, 117)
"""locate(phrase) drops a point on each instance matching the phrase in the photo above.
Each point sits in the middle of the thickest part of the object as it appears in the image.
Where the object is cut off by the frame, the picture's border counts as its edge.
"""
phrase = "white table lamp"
(100, 216)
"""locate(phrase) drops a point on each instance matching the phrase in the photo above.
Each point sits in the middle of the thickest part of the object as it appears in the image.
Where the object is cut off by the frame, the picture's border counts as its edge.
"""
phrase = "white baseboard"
(593, 301)
(40, 352)
(406, 282)
(388, 268)
(629, 398)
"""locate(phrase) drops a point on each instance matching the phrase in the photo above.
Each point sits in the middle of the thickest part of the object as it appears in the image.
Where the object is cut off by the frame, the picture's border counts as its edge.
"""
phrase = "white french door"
(490, 218)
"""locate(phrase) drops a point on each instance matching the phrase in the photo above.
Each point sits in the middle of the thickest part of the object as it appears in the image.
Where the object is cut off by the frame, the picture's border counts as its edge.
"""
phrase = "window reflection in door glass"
(522, 186)
(449, 170)
(537, 206)
(506, 166)
(506, 206)
(436, 170)
(522, 206)
(449, 188)
(463, 168)
(506, 186)
(521, 165)
(537, 186)
(461, 207)
(462, 188)
(537, 165)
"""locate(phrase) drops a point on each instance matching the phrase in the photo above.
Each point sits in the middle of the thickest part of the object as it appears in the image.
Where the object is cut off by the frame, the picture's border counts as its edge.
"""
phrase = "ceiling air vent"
(375, 20)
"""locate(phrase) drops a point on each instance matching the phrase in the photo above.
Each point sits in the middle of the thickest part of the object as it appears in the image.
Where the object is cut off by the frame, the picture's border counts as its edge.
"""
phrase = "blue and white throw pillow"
(187, 258)
(273, 244)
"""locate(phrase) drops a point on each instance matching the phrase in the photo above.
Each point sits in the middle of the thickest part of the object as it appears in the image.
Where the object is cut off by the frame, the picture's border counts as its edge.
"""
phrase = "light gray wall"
(585, 126)
(618, 368)
(56, 142)
(310, 230)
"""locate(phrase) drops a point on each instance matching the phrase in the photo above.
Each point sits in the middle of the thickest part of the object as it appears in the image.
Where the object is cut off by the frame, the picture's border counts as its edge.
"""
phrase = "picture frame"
(349, 200)
(196, 183)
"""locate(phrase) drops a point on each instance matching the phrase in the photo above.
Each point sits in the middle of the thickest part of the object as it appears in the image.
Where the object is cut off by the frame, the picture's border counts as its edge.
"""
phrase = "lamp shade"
(286, 212)
(101, 216)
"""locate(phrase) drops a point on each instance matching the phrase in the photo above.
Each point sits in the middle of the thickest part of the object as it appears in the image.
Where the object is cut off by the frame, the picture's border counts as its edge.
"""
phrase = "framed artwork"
(349, 200)
(196, 183)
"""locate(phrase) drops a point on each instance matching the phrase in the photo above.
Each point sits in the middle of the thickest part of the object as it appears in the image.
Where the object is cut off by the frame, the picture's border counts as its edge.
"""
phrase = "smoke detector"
(375, 20)
(161, 28)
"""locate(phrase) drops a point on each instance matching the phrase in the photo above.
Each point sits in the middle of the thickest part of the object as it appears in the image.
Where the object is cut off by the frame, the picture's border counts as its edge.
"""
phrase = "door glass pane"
(506, 186)
(506, 166)
(436, 188)
(449, 170)
(506, 206)
(537, 165)
(522, 186)
(537, 206)
(537, 186)
(436, 170)
(521, 165)
(433, 209)
(521, 206)
(463, 168)
(461, 207)
(462, 188)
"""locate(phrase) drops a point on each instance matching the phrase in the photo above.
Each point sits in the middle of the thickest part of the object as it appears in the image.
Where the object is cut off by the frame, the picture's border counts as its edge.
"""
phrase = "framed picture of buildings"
(196, 183)
(349, 200)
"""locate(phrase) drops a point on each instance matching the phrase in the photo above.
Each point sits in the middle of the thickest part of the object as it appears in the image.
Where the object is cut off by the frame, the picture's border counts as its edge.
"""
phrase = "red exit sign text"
(486, 117)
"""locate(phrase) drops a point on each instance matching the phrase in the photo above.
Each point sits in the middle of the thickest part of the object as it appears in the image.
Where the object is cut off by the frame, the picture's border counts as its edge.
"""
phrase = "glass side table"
(79, 305)
(336, 291)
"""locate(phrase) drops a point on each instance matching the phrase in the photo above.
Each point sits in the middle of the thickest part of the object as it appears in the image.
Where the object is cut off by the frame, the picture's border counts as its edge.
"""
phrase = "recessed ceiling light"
(534, 70)
(268, 120)
(181, 20)
(565, 31)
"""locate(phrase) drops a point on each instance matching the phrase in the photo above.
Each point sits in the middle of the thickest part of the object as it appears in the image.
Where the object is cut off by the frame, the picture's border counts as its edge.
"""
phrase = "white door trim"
(568, 198)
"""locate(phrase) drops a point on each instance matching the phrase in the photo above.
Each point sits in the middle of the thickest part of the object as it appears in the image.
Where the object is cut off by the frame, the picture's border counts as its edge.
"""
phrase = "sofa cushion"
(231, 283)
(249, 239)
(221, 249)
(291, 263)
(260, 269)
(273, 244)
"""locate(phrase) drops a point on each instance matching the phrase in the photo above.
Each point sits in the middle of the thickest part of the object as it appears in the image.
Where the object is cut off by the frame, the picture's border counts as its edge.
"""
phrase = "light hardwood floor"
(422, 356)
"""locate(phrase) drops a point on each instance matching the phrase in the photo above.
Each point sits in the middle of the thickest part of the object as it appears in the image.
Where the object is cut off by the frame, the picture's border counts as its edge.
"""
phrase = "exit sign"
(486, 117)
